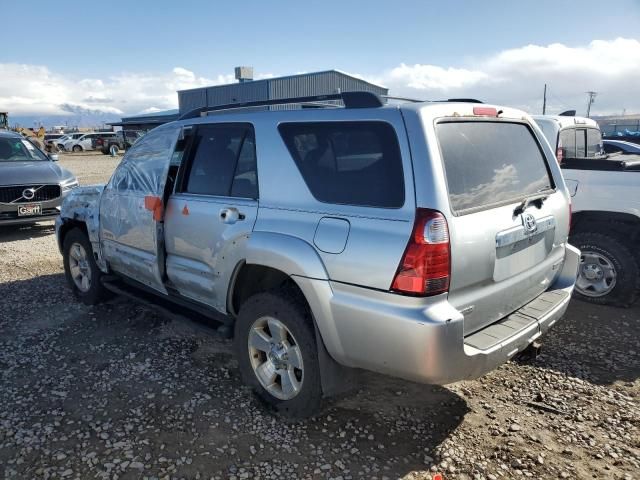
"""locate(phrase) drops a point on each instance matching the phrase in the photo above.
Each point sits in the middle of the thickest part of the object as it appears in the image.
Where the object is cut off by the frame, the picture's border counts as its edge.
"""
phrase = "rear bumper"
(423, 339)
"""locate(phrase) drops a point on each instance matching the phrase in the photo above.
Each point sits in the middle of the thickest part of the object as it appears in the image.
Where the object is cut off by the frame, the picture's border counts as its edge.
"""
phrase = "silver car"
(32, 186)
(426, 241)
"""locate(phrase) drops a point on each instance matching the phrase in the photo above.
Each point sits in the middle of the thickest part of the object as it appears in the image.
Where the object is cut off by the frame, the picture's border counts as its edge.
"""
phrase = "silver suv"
(426, 241)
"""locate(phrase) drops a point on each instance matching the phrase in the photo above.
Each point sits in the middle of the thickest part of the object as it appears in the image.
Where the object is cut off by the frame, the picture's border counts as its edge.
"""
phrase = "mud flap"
(335, 379)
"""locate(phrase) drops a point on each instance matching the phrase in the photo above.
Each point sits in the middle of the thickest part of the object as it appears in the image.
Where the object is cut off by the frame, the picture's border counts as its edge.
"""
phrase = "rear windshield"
(488, 163)
(580, 142)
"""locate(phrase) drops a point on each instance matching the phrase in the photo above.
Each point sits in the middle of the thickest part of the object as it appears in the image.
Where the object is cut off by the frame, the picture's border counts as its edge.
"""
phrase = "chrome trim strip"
(519, 233)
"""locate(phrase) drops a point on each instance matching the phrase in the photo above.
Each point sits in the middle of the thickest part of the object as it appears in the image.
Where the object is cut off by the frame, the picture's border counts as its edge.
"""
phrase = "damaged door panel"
(132, 210)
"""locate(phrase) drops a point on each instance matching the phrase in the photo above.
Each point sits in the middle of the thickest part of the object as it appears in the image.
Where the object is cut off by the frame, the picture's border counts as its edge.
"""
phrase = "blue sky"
(122, 57)
(285, 36)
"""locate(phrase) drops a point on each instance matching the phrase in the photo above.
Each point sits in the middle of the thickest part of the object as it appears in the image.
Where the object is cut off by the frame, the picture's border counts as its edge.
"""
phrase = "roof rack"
(358, 99)
(461, 100)
(403, 99)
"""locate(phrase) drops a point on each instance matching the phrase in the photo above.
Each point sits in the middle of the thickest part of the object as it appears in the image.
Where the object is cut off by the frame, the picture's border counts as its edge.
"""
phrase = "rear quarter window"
(490, 163)
(351, 163)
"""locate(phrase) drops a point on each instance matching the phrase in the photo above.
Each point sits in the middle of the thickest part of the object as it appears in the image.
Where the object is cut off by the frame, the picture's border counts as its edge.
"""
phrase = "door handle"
(231, 215)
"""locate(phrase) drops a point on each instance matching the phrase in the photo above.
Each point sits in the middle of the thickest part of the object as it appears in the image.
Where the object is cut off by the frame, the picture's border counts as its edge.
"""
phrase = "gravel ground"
(118, 391)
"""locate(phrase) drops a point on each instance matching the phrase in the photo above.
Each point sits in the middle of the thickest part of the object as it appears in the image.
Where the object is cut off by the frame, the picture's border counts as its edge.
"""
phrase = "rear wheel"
(113, 150)
(608, 273)
(277, 354)
(80, 268)
(77, 148)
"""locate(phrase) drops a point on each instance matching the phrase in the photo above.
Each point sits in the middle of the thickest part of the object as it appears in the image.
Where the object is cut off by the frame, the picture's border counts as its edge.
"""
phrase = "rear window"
(488, 163)
(351, 163)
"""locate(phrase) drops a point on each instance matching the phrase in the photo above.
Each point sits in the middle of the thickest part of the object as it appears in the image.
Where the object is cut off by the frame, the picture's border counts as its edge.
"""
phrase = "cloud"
(513, 77)
(36, 90)
(516, 77)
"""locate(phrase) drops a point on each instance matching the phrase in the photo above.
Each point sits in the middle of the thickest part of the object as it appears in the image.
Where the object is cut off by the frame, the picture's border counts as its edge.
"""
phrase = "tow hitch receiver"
(531, 352)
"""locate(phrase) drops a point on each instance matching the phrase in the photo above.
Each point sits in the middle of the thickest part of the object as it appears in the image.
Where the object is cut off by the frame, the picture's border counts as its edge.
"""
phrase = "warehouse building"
(249, 90)
(146, 121)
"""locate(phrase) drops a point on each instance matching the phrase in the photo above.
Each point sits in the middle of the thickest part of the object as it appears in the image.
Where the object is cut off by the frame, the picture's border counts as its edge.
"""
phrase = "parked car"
(620, 146)
(122, 140)
(426, 241)
(605, 191)
(51, 138)
(85, 142)
(32, 186)
(67, 137)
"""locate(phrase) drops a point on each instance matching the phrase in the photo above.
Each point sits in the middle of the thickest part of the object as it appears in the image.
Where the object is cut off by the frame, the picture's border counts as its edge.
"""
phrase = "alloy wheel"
(276, 358)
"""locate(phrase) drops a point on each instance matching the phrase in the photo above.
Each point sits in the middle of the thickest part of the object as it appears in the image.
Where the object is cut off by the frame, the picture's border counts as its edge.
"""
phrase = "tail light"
(425, 266)
(559, 152)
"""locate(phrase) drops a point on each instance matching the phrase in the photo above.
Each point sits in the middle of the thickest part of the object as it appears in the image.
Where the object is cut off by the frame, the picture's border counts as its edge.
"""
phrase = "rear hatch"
(508, 220)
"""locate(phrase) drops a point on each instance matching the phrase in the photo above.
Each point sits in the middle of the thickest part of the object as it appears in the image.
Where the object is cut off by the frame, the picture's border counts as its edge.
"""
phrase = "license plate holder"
(29, 210)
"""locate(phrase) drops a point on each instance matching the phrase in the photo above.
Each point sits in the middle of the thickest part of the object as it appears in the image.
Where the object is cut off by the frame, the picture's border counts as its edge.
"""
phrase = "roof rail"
(461, 100)
(403, 99)
(357, 99)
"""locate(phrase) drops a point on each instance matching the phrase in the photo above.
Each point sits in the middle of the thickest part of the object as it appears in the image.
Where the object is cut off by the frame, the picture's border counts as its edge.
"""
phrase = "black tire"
(96, 292)
(105, 151)
(77, 148)
(627, 281)
(284, 306)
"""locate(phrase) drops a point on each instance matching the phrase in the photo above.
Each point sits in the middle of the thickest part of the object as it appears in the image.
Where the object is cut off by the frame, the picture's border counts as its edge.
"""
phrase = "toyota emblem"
(28, 193)
(529, 223)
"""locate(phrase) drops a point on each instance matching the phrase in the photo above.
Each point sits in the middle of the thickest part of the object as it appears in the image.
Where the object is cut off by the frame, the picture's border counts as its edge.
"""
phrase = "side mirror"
(54, 157)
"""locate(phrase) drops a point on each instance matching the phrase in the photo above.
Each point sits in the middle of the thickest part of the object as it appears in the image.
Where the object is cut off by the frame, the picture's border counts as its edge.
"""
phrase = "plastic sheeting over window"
(144, 167)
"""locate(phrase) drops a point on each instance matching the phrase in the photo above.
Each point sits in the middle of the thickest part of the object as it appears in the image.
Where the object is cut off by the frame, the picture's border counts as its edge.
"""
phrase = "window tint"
(581, 143)
(594, 142)
(490, 162)
(353, 163)
(608, 148)
(222, 161)
(567, 141)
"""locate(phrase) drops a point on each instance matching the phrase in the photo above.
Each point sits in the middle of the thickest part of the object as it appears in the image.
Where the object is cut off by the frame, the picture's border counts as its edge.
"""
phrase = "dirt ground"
(119, 391)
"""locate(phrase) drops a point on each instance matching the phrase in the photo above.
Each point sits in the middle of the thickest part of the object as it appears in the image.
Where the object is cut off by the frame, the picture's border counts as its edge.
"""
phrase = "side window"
(581, 143)
(144, 167)
(594, 142)
(608, 148)
(351, 163)
(214, 163)
(245, 178)
(568, 142)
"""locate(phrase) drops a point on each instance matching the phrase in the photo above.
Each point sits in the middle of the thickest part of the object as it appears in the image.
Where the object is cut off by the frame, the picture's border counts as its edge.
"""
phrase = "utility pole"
(592, 98)
(544, 100)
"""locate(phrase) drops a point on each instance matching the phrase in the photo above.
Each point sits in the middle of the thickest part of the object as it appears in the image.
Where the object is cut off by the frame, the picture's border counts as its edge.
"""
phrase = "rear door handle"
(231, 215)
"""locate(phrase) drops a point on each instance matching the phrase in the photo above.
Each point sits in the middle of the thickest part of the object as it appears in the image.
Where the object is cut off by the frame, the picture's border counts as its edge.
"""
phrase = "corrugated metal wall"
(320, 83)
(237, 92)
(191, 99)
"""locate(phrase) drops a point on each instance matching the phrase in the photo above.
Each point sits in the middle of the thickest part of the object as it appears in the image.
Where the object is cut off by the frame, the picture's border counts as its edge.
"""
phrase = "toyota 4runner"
(424, 240)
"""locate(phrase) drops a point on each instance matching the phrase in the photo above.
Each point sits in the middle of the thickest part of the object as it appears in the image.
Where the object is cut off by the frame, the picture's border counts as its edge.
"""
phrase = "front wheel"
(608, 273)
(80, 268)
(77, 148)
(277, 354)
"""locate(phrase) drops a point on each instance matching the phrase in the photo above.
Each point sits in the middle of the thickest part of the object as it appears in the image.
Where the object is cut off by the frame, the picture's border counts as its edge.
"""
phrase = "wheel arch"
(622, 225)
(275, 260)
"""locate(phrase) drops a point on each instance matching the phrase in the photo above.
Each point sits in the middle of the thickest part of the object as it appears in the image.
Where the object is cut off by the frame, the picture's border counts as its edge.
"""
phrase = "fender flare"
(290, 255)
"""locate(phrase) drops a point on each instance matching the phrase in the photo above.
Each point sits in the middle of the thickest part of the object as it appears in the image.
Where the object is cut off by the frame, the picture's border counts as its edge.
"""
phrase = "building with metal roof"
(248, 90)
(147, 121)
